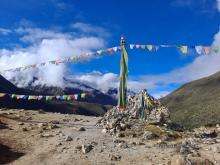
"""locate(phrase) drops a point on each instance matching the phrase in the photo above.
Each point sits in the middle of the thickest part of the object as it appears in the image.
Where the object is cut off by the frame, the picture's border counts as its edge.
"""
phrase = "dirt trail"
(30, 137)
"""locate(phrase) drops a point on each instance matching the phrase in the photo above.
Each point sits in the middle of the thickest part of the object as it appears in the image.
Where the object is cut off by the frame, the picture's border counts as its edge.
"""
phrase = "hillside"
(196, 103)
(92, 105)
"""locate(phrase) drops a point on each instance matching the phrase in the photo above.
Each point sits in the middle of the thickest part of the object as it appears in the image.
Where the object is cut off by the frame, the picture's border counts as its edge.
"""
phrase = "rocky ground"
(37, 137)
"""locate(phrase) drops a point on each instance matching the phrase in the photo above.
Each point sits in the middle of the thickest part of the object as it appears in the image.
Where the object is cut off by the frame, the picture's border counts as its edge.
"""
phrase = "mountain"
(196, 103)
(96, 104)
(73, 87)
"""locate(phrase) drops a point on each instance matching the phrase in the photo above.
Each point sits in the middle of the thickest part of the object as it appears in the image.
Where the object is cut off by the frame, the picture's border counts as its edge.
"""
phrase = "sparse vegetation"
(196, 103)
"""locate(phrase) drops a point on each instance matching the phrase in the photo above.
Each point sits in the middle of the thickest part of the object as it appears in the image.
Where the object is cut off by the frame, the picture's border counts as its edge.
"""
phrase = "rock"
(217, 130)
(115, 157)
(178, 160)
(29, 118)
(148, 135)
(78, 147)
(209, 141)
(40, 125)
(184, 150)
(86, 148)
(68, 138)
(199, 161)
(66, 120)
(215, 148)
(104, 130)
(122, 145)
(124, 126)
(75, 119)
(53, 126)
(120, 134)
(203, 132)
(81, 129)
(41, 111)
(118, 141)
(24, 129)
(59, 144)
(140, 143)
(20, 123)
(93, 143)
(55, 122)
(46, 135)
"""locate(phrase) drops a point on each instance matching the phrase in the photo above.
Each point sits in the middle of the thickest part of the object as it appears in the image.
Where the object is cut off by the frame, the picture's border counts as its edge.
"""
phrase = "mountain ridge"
(196, 103)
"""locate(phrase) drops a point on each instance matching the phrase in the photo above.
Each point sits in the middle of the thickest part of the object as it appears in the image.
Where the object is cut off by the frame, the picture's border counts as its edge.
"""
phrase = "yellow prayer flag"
(150, 47)
(183, 49)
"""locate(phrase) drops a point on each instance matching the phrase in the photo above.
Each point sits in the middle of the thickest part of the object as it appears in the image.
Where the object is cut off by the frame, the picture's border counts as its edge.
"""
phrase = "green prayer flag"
(123, 78)
(216, 49)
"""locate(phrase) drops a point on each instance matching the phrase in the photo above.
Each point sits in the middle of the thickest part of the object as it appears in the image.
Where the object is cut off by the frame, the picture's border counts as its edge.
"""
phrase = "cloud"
(105, 81)
(218, 4)
(202, 66)
(45, 45)
(90, 29)
(4, 31)
(33, 35)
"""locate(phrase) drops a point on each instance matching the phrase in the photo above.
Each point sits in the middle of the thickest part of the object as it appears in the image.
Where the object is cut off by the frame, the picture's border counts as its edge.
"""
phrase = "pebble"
(115, 157)
(68, 138)
(86, 148)
(104, 130)
(81, 129)
(24, 129)
(55, 122)
(46, 135)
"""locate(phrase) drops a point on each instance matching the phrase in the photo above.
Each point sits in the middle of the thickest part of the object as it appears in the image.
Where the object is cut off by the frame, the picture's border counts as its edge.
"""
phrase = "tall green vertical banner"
(123, 76)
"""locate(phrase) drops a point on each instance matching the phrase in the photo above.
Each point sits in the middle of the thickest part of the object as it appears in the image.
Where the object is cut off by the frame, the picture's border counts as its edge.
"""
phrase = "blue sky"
(29, 28)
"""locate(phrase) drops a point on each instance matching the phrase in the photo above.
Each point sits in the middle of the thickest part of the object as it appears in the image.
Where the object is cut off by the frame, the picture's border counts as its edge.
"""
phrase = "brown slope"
(82, 108)
(196, 103)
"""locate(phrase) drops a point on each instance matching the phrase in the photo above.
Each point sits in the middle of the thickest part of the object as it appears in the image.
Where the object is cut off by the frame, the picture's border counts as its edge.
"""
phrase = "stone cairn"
(141, 107)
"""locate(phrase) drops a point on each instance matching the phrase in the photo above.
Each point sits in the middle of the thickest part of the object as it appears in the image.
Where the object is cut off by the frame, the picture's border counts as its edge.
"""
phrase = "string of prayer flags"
(2, 94)
(72, 59)
(46, 98)
(184, 49)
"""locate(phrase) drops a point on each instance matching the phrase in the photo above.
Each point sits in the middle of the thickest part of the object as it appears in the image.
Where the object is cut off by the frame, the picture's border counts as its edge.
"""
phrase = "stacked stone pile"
(140, 108)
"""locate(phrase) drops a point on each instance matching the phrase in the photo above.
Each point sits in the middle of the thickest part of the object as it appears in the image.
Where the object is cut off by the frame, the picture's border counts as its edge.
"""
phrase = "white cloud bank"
(218, 4)
(106, 81)
(45, 45)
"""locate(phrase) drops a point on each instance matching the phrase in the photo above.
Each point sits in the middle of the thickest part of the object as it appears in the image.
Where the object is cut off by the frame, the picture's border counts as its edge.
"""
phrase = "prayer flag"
(137, 46)
(156, 48)
(207, 50)
(216, 49)
(2, 94)
(76, 96)
(143, 46)
(199, 49)
(115, 49)
(123, 79)
(183, 49)
(150, 47)
(131, 46)
(83, 95)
